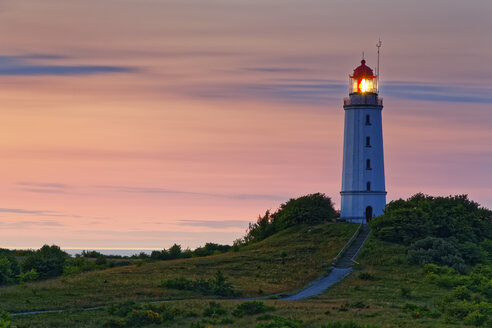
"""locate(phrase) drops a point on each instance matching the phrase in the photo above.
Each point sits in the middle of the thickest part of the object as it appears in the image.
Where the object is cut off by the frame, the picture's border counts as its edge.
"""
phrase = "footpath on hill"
(339, 271)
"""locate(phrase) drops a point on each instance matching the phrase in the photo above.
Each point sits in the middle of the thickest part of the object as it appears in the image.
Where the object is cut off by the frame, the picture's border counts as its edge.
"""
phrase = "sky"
(140, 124)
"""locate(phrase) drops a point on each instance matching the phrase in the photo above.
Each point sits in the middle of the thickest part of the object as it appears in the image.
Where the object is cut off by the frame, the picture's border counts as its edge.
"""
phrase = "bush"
(175, 251)
(78, 265)
(214, 310)
(166, 312)
(180, 283)
(366, 276)
(114, 323)
(92, 254)
(6, 271)
(28, 276)
(348, 324)
(420, 216)
(121, 309)
(280, 322)
(436, 251)
(48, 261)
(119, 264)
(475, 318)
(251, 308)
(197, 325)
(210, 249)
(405, 291)
(462, 293)
(5, 320)
(472, 253)
(101, 261)
(219, 285)
(138, 318)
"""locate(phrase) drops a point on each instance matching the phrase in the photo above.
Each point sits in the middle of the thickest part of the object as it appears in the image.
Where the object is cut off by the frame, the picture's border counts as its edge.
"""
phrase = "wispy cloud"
(152, 190)
(215, 224)
(30, 224)
(31, 212)
(58, 188)
(276, 69)
(45, 188)
(29, 65)
(438, 92)
(300, 91)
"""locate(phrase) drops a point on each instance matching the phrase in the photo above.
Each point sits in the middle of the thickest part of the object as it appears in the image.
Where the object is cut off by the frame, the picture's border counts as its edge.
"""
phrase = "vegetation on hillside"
(285, 261)
(21, 266)
(420, 216)
(310, 209)
(451, 238)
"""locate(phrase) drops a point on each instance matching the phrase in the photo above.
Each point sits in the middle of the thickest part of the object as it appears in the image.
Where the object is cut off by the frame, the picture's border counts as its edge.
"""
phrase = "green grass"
(377, 299)
(255, 270)
(392, 283)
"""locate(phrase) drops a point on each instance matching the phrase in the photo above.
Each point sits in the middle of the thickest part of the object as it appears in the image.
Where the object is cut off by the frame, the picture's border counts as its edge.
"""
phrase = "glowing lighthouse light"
(363, 80)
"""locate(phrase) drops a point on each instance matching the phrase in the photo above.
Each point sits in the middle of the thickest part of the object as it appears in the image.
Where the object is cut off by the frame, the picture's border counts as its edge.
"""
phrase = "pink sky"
(139, 124)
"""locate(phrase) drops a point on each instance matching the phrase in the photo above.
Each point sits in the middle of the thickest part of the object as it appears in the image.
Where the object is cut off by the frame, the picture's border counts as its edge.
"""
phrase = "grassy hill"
(376, 295)
(285, 261)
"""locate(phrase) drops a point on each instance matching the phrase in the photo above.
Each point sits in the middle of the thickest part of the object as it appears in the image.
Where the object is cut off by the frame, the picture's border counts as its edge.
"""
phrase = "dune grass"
(285, 261)
(381, 288)
(377, 293)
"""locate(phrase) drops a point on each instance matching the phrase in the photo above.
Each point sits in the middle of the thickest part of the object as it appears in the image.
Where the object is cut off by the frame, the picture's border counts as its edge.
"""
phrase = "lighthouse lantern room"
(363, 194)
(363, 80)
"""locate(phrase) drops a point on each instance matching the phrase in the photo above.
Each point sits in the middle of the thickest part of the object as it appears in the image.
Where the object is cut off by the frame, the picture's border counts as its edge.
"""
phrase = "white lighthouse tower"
(363, 188)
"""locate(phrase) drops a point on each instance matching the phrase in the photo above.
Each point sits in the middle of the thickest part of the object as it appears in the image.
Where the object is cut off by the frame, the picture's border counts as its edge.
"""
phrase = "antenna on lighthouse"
(378, 44)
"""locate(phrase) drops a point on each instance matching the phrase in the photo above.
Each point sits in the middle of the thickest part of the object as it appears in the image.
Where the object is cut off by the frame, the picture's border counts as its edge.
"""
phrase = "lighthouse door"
(368, 214)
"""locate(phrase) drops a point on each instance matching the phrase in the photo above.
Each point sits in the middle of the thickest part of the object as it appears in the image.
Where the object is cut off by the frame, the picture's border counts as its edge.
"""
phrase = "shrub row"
(218, 285)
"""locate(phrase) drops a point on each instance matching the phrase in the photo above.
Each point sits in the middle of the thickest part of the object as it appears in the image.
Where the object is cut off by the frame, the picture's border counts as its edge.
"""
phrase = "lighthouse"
(363, 194)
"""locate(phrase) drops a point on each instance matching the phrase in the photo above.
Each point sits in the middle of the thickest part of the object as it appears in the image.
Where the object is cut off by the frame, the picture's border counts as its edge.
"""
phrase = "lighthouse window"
(368, 186)
(368, 164)
(368, 120)
(368, 141)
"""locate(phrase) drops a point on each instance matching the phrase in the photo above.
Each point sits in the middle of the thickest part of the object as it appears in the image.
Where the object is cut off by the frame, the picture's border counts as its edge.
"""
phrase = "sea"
(121, 252)
(104, 251)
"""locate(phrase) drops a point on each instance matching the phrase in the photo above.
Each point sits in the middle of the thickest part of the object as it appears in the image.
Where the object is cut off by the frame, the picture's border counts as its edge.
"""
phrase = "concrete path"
(319, 286)
(340, 271)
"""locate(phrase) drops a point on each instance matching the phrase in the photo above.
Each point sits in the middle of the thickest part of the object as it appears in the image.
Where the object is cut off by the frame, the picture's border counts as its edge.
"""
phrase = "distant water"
(122, 252)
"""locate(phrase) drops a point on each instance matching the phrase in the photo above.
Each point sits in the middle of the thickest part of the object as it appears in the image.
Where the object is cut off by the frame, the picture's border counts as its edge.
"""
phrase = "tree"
(175, 251)
(309, 209)
(6, 272)
(48, 261)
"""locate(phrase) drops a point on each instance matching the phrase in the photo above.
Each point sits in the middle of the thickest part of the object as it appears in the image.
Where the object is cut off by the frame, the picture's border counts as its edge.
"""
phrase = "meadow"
(284, 262)
(376, 294)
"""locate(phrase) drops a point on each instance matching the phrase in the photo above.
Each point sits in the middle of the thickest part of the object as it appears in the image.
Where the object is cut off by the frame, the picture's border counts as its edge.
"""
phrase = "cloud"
(27, 223)
(440, 92)
(31, 212)
(152, 190)
(299, 91)
(215, 224)
(276, 69)
(45, 188)
(27, 65)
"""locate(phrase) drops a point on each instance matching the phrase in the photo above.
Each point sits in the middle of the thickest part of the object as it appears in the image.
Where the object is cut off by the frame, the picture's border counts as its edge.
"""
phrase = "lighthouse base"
(362, 206)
